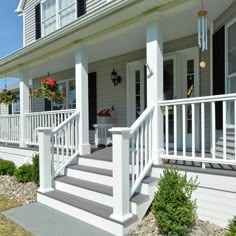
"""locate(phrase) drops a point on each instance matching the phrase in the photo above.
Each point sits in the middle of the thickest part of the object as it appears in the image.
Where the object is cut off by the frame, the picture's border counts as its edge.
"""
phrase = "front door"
(181, 80)
(136, 90)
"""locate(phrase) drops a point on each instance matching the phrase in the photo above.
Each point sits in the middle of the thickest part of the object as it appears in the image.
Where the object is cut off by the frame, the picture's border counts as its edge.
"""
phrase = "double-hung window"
(56, 14)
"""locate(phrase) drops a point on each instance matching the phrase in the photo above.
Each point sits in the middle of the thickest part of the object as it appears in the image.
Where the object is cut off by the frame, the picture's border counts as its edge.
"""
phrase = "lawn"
(7, 227)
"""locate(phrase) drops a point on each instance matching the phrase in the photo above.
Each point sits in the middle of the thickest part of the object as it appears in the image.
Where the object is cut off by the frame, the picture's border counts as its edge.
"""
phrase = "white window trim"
(56, 14)
(12, 110)
(67, 81)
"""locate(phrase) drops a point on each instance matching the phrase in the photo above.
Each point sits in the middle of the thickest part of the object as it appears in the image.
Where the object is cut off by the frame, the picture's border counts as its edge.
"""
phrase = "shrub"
(24, 173)
(231, 228)
(7, 167)
(35, 169)
(172, 206)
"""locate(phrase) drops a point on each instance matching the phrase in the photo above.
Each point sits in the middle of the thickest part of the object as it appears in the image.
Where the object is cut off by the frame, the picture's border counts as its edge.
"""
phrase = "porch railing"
(9, 128)
(49, 119)
(58, 147)
(189, 121)
(132, 159)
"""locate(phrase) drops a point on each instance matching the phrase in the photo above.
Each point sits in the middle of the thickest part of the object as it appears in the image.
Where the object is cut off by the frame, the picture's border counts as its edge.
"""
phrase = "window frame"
(67, 104)
(14, 105)
(57, 14)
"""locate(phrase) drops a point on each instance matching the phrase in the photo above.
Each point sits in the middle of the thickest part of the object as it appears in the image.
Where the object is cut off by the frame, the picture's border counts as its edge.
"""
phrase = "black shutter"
(81, 7)
(47, 105)
(219, 71)
(92, 84)
(37, 21)
(9, 109)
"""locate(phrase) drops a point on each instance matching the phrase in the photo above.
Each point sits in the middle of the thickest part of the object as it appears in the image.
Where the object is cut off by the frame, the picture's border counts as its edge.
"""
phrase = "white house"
(176, 95)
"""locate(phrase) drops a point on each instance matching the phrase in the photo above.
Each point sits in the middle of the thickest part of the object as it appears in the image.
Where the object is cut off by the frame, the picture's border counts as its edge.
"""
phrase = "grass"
(7, 227)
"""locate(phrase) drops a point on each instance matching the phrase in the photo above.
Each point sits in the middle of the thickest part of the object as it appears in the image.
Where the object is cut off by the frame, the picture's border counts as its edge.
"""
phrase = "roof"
(20, 7)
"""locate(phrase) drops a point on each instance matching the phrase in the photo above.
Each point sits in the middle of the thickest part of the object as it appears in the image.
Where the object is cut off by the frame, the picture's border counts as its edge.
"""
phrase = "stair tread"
(90, 169)
(139, 198)
(149, 180)
(100, 188)
(104, 154)
(86, 205)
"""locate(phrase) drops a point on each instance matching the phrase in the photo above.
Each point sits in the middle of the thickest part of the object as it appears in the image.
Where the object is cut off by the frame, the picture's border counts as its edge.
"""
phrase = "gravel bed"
(202, 228)
(22, 193)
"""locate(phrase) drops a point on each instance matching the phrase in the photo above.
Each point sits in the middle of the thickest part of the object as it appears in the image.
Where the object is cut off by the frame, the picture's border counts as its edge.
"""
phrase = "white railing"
(10, 128)
(49, 119)
(65, 143)
(57, 149)
(141, 148)
(189, 124)
(132, 159)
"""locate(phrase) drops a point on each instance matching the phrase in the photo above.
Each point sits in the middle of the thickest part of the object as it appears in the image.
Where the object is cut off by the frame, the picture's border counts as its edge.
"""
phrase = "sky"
(10, 31)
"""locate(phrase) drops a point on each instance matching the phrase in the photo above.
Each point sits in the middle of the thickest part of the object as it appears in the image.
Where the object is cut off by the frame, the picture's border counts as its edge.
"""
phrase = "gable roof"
(20, 7)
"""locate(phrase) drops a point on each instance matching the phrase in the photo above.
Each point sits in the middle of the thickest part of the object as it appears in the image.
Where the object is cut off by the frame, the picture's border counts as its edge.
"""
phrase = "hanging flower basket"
(7, 97)
(49, 89)
(107, 112)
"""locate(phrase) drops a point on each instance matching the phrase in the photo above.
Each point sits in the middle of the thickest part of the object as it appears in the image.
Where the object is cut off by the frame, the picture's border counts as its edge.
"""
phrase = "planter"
(104, 120)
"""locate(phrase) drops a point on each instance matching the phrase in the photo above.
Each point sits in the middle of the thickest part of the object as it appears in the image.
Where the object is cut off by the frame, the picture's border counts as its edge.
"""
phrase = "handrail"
(9, 116)
(196, 100)
(141, 119)
(65, 122)
(50, 112)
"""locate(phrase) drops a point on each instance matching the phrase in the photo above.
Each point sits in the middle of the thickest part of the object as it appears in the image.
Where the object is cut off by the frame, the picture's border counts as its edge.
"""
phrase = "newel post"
(45, 159)
(121, 183)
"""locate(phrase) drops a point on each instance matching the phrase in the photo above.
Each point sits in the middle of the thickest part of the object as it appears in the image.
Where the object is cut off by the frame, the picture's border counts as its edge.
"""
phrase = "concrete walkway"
(41, 220)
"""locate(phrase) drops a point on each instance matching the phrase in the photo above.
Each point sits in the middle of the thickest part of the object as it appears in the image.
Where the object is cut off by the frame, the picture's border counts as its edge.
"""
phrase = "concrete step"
(88, 211)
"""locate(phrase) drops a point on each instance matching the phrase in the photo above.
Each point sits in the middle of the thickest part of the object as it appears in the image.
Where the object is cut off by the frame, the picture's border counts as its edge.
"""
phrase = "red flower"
(8, 92)
(40, 89)
(50, 93)
(43, 81)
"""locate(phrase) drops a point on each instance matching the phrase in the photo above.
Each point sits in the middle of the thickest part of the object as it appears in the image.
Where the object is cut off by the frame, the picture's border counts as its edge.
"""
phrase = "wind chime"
(202, 29)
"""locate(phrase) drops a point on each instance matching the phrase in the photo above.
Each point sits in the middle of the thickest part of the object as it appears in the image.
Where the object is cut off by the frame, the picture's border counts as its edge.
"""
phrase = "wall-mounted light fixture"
(115, 78)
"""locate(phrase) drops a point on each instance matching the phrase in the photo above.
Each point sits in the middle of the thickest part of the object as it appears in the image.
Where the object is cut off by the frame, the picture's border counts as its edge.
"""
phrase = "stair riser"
(92, 177)
(82, 215)
(95, 163)
(85, 193)
(141, 209)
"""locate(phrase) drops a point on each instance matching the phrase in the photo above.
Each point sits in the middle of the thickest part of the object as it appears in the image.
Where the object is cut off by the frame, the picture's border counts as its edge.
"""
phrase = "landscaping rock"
(148, 227)
(22, 193)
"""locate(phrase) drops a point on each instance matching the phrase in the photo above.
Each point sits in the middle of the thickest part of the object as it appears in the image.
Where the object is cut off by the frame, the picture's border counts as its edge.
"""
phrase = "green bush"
(7, 167)
(231, 228)
(35, 169)
(174, 211)
(24, 173)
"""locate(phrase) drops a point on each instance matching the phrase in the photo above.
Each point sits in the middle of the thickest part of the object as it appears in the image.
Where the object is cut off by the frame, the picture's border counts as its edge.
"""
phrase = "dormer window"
(54, 14)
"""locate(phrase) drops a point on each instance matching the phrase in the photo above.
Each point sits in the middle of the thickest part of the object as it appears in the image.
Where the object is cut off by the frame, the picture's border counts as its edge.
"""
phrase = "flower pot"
(104, 120)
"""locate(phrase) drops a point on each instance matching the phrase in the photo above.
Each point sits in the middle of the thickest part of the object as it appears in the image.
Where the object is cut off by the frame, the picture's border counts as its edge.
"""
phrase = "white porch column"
(154, 47)
(81, 81)
(24, 106)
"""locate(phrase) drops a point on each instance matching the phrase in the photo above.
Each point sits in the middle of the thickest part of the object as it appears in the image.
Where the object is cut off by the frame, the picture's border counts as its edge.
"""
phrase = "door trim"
(129, 67)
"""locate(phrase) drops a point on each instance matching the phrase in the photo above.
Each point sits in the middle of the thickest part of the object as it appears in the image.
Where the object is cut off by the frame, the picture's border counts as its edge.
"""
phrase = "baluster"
(175, 130)
(57, 149)
(149, 138)
(184, 129)
(67, 138)
(224, 130)
(235, 130)
(146, 142)
(193, 130)
(141, 148)
(167, 128)
(203, 131)
(137, 154)
(213, 129)
(132, 160)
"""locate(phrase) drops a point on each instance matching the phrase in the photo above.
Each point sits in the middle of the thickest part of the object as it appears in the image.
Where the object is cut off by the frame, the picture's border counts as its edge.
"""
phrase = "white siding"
(4, 110)
(91, 5)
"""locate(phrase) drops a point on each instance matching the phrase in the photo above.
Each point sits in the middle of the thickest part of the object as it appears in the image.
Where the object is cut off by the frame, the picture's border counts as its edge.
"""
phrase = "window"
(68, 86)
(16, 106)
(56, 14)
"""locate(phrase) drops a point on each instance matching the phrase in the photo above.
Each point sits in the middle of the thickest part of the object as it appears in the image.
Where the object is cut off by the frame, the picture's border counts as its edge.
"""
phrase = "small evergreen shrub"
(35, 169)
(231, 228)
(174, 211)
(7, 167)
(24, 173)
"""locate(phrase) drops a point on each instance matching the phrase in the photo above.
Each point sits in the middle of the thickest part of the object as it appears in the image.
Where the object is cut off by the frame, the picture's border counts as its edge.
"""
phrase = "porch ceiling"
(120, 32)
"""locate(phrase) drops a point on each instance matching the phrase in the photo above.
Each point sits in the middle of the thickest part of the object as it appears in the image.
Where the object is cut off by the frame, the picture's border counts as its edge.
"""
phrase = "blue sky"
(10, 31)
